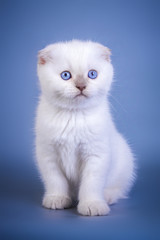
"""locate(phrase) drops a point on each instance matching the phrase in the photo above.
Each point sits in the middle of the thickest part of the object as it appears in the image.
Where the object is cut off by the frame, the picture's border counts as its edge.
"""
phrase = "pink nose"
(81, 88)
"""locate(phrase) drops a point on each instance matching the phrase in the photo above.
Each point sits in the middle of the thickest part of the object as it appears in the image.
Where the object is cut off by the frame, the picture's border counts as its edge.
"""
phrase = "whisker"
(118, 103)
(112, 107)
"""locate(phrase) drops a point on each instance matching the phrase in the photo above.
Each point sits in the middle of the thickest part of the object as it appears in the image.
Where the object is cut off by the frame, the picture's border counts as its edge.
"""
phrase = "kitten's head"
(75, 74)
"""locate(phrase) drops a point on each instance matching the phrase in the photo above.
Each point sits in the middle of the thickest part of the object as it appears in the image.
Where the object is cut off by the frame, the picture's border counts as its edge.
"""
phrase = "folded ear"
(106, 53)
(44, 56)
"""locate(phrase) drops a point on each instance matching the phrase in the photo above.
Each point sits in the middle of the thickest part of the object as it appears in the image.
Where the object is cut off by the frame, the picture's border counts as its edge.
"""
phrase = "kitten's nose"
(81, 87)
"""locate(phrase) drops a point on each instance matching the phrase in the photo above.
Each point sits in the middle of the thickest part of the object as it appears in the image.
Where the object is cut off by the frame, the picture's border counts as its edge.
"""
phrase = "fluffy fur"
(80, 154)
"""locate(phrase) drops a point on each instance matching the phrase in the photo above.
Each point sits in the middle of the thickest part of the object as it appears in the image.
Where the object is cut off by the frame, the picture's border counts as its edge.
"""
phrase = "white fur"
(80, 154)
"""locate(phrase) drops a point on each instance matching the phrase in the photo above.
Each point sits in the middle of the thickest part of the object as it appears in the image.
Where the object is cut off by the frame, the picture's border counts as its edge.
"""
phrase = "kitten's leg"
(91, 193)
(113, 194)
(56, 186)
(121, 177)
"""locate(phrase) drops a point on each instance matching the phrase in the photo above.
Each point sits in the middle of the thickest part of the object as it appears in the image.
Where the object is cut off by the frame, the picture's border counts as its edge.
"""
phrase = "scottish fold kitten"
(80, 154)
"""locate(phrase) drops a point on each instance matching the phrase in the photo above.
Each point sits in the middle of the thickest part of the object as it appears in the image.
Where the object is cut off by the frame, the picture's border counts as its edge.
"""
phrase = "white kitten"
(79, 152)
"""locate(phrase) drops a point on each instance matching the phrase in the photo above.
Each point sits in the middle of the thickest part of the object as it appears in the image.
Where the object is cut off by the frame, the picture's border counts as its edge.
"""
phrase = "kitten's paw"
(56, 202)
(93, 208)
(112, 195)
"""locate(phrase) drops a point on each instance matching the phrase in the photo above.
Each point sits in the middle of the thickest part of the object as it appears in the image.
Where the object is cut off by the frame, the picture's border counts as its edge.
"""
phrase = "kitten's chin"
(77, 101)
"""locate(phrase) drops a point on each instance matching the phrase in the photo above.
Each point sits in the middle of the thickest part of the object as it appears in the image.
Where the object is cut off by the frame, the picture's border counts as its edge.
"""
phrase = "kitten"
(80, 154)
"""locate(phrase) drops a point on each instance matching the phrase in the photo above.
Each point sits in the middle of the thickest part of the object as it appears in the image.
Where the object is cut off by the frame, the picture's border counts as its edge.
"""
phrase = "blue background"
(131, 29)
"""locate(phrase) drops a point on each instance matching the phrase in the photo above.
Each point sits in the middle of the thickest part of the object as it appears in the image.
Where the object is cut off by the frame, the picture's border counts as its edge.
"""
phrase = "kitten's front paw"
(93, 208)
(56, 202)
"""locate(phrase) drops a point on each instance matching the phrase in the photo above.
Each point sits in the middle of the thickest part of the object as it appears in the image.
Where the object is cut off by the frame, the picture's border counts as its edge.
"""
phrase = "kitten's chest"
(69, 134)
(70, 128)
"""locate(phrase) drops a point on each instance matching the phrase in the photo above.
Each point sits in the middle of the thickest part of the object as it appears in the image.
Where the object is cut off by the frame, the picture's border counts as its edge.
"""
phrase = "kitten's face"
(75, 73)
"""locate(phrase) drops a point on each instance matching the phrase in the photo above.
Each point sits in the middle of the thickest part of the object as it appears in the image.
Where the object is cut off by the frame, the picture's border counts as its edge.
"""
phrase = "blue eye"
(65, 75)
(92, 74)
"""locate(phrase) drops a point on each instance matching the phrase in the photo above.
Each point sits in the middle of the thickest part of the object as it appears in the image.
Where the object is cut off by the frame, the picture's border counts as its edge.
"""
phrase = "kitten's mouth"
(80, 94)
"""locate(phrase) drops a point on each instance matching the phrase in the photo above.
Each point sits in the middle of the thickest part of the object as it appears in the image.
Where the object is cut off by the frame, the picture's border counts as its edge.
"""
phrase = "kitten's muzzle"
(81, 87)
(80, 83)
